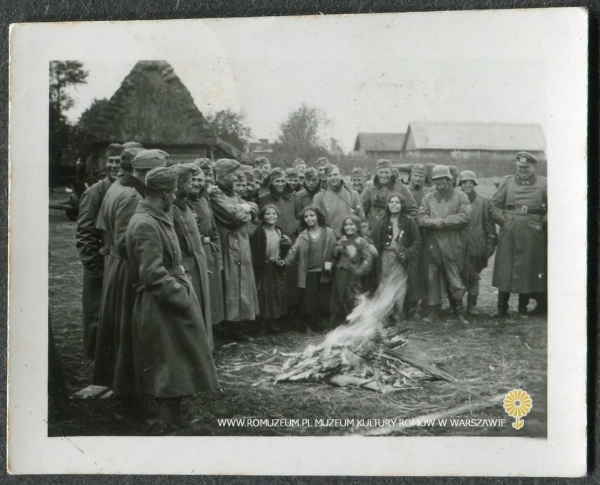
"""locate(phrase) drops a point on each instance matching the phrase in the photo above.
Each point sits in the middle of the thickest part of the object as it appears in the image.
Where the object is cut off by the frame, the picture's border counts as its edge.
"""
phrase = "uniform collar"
(145, 208)
(129, 180)
(530, 181)
(225, 190)
(181, 203)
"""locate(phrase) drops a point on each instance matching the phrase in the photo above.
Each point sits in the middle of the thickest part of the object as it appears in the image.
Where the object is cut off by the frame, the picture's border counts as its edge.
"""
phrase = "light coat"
(339, 205)
(376, 196)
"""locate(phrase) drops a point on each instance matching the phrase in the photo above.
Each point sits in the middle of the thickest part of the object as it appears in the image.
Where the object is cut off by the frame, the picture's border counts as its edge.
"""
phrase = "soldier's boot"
(431, 313)
(523, 302)
(169, 412)
(459, 311)
(502, 310)
(541, 309)
(471, 305)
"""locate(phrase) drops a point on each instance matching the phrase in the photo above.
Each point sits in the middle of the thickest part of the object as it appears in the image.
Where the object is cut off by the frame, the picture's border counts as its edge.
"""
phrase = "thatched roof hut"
(153, 107)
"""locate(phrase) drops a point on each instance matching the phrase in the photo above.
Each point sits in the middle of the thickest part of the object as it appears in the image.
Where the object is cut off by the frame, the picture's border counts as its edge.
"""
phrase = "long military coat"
(338, 205)
(375, 198)
(113, 362)
(172, 356)
(447, 244)
(194, 259)
(89, 242)
(520, 208)
(481, 231)
(235, 227)
(212, 249)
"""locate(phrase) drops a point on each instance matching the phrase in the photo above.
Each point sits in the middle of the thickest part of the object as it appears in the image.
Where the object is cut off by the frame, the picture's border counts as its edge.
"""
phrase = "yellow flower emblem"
(517, 403)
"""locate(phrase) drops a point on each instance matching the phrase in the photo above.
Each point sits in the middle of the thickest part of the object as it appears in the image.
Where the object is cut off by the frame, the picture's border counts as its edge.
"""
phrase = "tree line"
(301, 135)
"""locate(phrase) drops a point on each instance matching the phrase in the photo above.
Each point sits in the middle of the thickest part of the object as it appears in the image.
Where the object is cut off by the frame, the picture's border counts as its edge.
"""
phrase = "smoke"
(368, 317)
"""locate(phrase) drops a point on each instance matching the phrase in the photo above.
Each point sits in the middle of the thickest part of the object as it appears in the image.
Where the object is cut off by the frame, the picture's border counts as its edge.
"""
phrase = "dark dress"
(270, 277)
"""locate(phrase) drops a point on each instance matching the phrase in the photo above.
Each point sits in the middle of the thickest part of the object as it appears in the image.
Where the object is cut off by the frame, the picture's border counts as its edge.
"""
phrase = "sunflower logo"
(517, 403)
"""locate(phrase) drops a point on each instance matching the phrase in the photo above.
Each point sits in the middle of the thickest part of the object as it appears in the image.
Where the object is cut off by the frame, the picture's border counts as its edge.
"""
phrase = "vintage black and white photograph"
(302, 229)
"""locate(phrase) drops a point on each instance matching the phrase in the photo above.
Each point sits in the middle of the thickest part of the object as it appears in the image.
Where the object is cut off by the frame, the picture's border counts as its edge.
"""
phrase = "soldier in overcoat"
(172, 357)
(236, 222)
(190, 241)
(445, 214)
(482, 237)
(520, 208)
(337, 201)
(89, 244)
(113, 363)
(374, 198)
(199, 202)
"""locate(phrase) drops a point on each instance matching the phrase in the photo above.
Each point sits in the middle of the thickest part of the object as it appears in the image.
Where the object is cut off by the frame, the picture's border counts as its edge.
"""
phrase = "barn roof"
(153, 107)
(476, 136)
(379, 142)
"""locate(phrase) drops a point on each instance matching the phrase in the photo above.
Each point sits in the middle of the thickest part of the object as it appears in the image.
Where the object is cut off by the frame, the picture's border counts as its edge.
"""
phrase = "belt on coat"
(524, 209)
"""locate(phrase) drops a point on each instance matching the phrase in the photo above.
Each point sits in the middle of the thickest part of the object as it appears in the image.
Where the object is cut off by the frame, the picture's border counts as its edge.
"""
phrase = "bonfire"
(363, 351)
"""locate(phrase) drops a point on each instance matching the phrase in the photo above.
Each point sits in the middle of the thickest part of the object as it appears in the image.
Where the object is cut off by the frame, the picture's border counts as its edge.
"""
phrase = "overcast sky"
(375, 79)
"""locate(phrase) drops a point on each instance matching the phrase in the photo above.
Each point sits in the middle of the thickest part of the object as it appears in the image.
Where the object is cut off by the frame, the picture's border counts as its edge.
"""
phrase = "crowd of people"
(182, 258)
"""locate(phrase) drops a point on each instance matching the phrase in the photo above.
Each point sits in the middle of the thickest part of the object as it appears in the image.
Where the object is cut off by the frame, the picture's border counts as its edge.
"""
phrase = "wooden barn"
(373, 146)
(153, 107)
(486, 148)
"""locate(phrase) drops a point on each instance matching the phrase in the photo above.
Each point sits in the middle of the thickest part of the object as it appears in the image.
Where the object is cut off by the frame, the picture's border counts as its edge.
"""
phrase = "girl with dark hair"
(353, 260)
(314, 251)
(398, 241)
(267, 245)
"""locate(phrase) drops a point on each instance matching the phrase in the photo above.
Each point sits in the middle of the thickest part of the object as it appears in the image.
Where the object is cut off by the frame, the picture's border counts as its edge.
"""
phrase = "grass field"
(487, 357)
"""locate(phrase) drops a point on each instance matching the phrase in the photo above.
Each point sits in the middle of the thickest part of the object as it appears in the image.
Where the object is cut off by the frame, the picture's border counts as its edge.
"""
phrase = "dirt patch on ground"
(487, 357)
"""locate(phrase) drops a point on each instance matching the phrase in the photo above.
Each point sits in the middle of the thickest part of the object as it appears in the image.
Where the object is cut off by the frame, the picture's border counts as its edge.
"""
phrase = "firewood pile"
(364, 352)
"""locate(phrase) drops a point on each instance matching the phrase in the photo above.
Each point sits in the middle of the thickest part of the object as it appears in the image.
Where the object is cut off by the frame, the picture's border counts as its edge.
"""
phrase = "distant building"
(262, 147)
(153, 107)
(373, 146)
(455, 142)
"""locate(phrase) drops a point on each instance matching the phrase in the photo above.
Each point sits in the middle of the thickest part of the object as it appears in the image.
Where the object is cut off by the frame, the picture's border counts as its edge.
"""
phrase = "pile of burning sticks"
(364, 353)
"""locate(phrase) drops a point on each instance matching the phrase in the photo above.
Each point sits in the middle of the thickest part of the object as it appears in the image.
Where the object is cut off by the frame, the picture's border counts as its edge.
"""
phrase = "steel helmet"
(440, 171)
(468, 175)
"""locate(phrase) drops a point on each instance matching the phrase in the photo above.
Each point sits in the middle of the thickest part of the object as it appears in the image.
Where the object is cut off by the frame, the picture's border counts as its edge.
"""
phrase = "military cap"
(311, 173)
(246, 168)
(321, 162)
(257, 175)
(440, 171)
(291, 172)
(330, 168)
(204, 164)
(114, 150)
(186, 170)
(249, 176)
(526, 157)
(162, 178)
(276, 173)
(383, 163)
(297, 162)
(129, 154)
(358, 172)
(258, 161)
(419, 168)
(226, 165)
(150, 159)
(132, 144)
